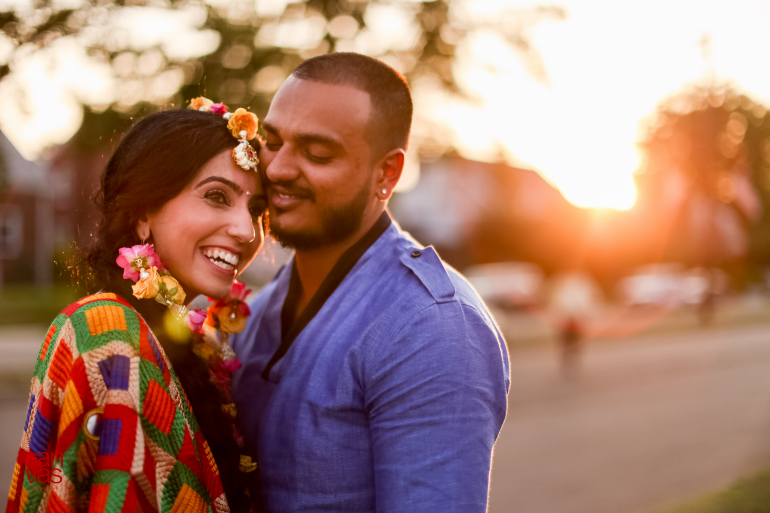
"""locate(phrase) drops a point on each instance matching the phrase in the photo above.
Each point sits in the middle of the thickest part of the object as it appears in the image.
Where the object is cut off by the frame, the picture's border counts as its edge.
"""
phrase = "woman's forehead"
(223, 166)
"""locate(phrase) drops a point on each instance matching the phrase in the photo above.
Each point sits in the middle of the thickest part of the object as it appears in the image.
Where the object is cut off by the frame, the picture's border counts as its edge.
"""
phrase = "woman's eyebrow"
(234, 186)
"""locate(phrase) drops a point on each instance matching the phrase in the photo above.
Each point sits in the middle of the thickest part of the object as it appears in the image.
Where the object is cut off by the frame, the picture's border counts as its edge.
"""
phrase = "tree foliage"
(255, 45)
(707, 175)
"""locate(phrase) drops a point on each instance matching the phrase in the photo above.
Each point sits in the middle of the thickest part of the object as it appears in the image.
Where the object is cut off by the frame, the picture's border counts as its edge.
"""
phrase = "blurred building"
(27, 219)
(477, 213)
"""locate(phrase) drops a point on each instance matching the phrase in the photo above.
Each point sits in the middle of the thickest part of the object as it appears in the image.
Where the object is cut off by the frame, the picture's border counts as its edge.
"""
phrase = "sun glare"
(605, 74)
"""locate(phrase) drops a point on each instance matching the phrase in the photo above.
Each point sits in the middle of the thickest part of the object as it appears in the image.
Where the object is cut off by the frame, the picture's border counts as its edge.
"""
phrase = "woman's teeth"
(222, 258)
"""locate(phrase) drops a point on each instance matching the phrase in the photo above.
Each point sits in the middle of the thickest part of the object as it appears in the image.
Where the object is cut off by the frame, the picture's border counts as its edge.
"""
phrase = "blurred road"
(646, 422)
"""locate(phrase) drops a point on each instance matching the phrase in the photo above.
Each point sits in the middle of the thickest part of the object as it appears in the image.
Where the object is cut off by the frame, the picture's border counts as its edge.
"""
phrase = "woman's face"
(211, 231)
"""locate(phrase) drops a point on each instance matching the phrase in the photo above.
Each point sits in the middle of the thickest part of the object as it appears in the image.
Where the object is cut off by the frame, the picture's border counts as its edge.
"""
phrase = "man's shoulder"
(438, 279)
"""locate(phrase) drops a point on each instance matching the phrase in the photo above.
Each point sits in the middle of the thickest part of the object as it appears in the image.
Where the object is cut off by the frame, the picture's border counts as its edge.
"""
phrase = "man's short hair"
(391, 116)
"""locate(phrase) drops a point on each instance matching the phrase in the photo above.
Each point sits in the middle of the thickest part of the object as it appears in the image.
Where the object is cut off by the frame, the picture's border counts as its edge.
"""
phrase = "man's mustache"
(291, 189)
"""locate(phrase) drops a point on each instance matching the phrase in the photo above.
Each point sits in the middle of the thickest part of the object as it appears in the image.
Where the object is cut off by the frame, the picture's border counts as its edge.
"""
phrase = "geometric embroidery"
(99, 495)
(115, 370)
(12, 493)
(105, 318)
(61, 364)
(41, 434)
(96, 297)
(156, 352)
(158, 407)
(29, 411)
(188, 500)
(56, 505)
(178, 475)
(72, 407)
(86, 458)
(110, 436)
(47, 342)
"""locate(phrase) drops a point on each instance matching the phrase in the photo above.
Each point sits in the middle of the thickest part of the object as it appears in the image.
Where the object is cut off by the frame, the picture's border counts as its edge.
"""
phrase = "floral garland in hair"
(241, 123)
(153, 281)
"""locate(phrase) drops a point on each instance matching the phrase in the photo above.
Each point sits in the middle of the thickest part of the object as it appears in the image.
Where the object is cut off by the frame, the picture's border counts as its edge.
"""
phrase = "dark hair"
(153, 164)
(391, 116)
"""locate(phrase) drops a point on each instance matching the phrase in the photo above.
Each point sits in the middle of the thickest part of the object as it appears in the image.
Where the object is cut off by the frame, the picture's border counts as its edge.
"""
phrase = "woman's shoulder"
(102, 322)
(97, 314)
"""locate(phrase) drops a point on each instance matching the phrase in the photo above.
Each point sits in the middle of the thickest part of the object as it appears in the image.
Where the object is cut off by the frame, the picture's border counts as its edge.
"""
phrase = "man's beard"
(337, 224)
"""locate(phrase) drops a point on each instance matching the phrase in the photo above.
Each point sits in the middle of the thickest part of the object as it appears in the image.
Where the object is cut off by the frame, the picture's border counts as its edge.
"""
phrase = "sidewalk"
(536, 328)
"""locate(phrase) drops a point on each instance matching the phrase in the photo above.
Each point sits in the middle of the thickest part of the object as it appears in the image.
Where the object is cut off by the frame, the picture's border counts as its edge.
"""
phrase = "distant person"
(573, 300)
(123, 415)
(373, 379)
(570, 340)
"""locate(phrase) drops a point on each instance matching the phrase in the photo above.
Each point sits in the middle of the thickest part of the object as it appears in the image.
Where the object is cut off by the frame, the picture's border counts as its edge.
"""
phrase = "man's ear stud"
(384, 191)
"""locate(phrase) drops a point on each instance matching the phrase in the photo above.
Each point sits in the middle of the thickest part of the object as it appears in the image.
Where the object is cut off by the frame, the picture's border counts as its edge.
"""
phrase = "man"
(373, 378)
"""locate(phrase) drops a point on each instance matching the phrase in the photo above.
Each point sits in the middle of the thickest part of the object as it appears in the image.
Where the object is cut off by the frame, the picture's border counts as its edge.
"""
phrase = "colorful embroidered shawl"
(150, 455)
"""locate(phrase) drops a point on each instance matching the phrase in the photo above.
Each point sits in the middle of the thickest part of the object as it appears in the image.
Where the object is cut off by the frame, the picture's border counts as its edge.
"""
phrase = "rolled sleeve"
(436, 398)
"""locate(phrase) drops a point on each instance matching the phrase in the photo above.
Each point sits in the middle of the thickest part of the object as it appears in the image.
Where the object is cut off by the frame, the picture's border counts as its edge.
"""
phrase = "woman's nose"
(241, 226)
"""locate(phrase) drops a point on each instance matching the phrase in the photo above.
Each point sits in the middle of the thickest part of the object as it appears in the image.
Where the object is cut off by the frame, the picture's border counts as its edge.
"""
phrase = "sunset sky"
(608, 64)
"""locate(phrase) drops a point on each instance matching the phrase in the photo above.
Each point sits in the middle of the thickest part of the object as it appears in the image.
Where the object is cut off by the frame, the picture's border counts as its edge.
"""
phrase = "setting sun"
(607, 66)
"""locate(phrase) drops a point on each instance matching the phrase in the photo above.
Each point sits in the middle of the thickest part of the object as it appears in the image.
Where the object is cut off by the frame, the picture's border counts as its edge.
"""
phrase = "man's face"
(317, 161)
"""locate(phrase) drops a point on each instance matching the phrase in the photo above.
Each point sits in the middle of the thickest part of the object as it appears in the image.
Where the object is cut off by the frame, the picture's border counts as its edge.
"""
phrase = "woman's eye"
(216, 196)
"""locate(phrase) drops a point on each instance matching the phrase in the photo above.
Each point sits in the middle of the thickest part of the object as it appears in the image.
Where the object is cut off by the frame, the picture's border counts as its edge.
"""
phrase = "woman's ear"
(143, 229)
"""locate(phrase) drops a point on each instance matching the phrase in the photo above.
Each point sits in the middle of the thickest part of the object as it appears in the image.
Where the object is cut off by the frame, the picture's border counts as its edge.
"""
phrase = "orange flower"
(243, 121)
(200, 101)
(171, 290)
(147, 287)
(231, 320)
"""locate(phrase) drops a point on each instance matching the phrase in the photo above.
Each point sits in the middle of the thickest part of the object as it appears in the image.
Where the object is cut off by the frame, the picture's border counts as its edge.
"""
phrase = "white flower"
(245, 156)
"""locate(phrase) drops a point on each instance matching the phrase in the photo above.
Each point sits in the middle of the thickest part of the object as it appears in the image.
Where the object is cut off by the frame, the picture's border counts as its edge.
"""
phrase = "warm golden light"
(608, 65)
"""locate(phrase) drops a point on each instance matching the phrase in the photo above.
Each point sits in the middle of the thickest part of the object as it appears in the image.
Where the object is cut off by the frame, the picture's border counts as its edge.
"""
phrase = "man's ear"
(143, 229)
(389, 173)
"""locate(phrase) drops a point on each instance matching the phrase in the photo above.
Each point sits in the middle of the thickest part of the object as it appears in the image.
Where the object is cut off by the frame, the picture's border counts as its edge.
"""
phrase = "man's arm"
(436, 397)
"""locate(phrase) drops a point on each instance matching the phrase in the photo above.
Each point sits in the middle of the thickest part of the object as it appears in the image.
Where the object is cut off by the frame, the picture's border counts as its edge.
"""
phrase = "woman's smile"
(225, 259)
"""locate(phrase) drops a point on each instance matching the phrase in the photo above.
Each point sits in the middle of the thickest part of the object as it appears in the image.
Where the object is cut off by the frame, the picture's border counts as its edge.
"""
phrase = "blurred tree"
(244, 48)
(705, 185)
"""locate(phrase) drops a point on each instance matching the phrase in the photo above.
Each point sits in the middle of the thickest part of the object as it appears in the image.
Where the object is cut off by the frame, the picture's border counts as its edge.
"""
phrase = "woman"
(116, 420)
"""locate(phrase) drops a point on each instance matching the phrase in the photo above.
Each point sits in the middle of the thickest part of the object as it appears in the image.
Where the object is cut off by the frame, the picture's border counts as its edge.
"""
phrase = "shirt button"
(415, 253)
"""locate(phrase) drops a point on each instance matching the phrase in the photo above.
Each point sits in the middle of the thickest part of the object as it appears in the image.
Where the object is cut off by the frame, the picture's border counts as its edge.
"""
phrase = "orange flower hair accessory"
(241, 123)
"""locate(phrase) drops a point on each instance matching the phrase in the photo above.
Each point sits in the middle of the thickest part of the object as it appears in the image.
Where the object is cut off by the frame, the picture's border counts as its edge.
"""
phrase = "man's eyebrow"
(306, 137)
(234, 186)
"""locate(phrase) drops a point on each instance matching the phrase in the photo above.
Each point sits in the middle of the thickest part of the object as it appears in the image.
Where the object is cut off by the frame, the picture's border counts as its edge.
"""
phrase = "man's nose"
(282, 167)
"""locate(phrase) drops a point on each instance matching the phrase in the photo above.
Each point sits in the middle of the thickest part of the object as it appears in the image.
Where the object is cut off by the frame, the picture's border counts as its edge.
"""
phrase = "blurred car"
(671, 284)
(507, 284)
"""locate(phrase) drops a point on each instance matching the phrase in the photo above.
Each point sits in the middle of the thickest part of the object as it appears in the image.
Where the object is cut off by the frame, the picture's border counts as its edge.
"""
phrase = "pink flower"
(194, 319)
(136, 258)
(218, 108)
(238, 292)
(232, 364)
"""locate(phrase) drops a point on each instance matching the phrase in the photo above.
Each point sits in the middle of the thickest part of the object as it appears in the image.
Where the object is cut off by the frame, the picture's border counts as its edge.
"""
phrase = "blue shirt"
(389, 400)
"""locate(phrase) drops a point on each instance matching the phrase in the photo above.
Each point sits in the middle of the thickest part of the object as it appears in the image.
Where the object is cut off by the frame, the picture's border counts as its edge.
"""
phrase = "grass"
(749, 495)
(27, 304)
